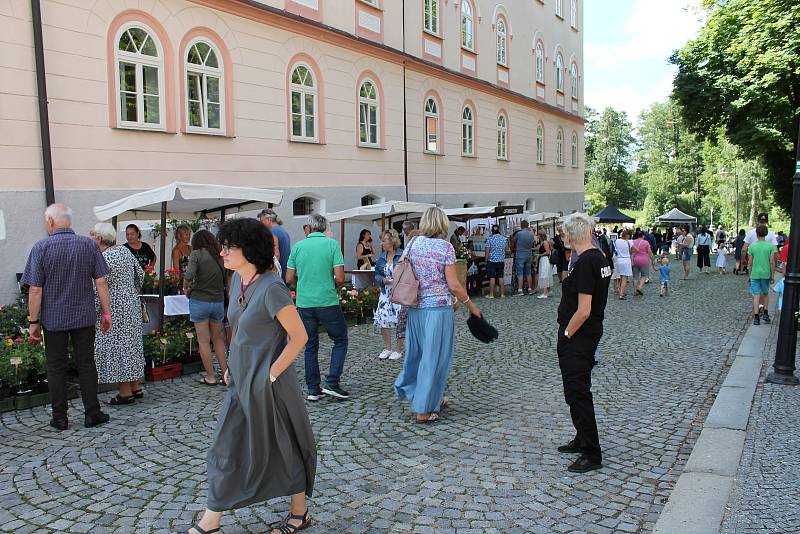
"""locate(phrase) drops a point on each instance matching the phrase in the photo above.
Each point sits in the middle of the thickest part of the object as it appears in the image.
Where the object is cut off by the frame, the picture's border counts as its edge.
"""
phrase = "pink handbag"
(406, 284)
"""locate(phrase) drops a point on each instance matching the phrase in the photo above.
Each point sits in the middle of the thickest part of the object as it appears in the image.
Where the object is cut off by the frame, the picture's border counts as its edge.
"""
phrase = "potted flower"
(463, 255)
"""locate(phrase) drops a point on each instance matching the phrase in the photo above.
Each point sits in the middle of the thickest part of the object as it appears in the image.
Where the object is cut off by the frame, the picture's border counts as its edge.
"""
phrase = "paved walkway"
(489, 465)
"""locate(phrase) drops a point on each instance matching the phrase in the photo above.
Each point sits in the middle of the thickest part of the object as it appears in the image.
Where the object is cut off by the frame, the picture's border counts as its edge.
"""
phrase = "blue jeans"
(332, 319)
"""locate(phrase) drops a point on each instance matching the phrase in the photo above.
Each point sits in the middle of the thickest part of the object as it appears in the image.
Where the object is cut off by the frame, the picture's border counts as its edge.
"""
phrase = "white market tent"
(185, 201)
(475, 212)
(376, 212)
(676, 216)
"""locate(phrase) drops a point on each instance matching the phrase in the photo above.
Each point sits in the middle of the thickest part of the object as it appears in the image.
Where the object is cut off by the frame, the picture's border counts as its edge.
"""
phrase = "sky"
(627, 44)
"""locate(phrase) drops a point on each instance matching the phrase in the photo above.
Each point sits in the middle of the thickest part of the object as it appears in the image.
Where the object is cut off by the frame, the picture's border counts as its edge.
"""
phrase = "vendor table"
(173, 305)
(362, 278)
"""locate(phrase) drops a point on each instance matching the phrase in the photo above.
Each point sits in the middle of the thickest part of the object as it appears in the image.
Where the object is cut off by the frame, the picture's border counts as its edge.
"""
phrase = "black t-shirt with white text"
(591, 275)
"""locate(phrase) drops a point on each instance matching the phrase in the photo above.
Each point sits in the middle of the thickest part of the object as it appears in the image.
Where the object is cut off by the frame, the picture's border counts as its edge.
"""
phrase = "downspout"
(405, 113)
(44, 117)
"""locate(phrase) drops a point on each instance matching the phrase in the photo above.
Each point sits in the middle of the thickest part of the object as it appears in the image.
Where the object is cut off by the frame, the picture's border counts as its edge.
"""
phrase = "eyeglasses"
(226, 249)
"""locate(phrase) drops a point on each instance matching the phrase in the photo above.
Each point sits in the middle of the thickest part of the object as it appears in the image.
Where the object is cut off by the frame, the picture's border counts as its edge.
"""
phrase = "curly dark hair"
(203, 239)
(253, 238)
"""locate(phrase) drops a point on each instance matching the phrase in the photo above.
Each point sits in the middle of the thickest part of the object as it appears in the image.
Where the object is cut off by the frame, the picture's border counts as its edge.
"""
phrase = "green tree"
(609, 142)
(742, 74)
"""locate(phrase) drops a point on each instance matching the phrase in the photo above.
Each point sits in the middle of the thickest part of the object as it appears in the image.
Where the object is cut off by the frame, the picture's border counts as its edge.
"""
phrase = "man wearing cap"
(749, 239)
(495, 260)
(283, 243)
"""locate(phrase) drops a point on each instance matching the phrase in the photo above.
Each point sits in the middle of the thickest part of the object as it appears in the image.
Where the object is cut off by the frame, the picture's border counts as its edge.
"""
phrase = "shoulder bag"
(406, 283)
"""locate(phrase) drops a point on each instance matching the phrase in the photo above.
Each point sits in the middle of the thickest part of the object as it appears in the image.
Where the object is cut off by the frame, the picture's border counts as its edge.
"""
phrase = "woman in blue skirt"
(430, 331)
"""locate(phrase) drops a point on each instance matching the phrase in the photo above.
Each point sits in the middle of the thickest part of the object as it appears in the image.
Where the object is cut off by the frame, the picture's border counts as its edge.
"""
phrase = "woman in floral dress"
(388, 313)
(118, 353)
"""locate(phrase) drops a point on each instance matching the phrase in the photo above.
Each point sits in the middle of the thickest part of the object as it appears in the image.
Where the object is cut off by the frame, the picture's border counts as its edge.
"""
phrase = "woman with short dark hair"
(141, 251)
(263, 446)
(204, 283)
(704, 242)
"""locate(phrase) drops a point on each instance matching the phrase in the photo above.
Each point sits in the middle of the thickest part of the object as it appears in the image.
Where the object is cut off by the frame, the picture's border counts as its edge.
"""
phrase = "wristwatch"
(272, 378)
(32, 321)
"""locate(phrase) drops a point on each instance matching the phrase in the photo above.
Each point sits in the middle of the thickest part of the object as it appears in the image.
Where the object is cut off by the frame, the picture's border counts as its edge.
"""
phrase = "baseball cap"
(266, 212)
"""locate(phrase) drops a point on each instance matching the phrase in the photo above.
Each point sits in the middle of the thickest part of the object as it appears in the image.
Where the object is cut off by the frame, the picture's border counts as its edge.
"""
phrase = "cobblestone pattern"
(489, 465)
(764, 496)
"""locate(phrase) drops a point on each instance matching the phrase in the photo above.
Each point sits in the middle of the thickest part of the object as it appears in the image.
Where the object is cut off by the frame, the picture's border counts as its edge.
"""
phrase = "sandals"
(200, 530)
(287, 528)
(119, 400)
(206, 383)
(138, 394)
(432, 418)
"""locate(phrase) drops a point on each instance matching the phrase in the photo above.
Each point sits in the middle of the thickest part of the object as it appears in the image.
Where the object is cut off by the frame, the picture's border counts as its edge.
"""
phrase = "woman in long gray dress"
(118, 353)
(263, 446)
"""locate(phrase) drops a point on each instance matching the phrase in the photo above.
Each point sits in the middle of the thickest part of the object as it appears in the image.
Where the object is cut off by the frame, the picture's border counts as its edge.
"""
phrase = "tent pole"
(341, 235)
(222, 216)
(162, 266)
(383, 223)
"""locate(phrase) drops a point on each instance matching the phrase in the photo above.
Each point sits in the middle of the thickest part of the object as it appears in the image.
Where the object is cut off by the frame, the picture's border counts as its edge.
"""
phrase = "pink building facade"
(335, 102)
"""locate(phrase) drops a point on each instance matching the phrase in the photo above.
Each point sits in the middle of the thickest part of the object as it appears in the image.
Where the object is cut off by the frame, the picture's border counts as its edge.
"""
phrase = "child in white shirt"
(722, 259)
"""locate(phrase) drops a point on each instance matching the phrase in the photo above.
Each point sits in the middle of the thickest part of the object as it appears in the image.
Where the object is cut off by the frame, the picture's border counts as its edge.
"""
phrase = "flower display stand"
(163, 372)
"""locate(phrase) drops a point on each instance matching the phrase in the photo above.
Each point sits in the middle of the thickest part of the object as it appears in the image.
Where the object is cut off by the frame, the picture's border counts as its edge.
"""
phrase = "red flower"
(19, 340)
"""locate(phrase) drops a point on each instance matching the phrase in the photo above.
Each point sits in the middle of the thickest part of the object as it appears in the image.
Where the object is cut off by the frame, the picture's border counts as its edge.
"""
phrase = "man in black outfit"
(584, 294)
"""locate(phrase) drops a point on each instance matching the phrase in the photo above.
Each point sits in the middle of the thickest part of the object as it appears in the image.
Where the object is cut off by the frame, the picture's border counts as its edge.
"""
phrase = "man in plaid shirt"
(62, 271)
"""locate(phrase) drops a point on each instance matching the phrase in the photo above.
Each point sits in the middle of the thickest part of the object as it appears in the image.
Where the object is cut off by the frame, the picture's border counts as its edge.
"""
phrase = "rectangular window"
(303, 116)
(431, 23)
(467, 139)
(432, 134)
(368, 124)
(560, 8)
(139, 93)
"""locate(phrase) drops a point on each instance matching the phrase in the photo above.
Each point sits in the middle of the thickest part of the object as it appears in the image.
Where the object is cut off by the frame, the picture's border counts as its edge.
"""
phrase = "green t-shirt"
(314, 259)
(762, 252)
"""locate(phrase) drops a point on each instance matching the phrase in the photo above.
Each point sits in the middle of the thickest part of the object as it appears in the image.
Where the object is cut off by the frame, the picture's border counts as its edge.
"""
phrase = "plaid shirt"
(65, 266)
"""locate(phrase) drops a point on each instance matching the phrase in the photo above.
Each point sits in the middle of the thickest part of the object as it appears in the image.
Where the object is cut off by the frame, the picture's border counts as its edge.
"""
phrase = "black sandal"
(287, 528)
(138, 394)
(119, 400)
(200, 530)
(207, 383)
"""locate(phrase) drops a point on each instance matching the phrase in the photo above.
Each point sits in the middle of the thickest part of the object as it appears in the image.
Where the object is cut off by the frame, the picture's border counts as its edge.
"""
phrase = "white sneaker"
(395, 355)
(385, 354)
(542, 297)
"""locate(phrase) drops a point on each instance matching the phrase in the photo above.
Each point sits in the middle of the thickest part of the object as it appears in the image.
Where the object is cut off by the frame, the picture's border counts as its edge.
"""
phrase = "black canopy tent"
(610, 214)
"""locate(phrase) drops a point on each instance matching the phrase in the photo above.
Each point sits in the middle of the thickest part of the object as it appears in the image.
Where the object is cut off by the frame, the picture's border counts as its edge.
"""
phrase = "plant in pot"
(463, 255)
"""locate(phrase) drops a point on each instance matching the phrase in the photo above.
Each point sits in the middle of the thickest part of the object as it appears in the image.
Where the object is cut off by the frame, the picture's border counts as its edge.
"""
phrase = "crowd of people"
(84, 291)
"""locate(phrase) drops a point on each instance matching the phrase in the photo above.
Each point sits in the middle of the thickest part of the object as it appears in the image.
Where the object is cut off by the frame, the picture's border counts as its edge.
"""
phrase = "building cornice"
(284, 20)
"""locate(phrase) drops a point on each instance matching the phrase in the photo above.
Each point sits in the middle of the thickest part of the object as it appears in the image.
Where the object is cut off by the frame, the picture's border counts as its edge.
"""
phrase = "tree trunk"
(752, 221)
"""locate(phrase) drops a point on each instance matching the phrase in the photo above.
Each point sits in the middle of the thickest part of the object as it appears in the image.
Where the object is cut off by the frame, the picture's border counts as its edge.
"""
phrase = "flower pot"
(461, 271)
(163, 372)
(23, 402)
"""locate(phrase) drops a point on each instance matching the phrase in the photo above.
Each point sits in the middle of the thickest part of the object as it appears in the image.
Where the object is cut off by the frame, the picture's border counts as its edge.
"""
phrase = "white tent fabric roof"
(676, 215)
(187, 198)
(535, 217)
(374, 212)
(475, 210)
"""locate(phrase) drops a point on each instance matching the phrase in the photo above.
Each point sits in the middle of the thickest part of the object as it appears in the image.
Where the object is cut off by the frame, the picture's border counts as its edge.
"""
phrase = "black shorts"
(494, 269)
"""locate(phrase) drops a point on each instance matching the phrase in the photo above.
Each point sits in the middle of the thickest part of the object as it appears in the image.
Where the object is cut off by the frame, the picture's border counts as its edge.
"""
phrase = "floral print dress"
(387, 313)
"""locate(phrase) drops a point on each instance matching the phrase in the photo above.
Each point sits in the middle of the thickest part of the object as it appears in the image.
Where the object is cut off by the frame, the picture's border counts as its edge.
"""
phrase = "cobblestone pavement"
(489, 465)
(764, 496)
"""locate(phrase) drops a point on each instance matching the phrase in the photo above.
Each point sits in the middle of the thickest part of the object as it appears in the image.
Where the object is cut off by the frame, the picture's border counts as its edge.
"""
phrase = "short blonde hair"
(392, 233)
(434, 223)
(106, 233)
(578, 226)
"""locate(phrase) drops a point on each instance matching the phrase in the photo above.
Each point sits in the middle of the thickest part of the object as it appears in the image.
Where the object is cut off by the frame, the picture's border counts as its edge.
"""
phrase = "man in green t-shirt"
(318, 265)
(762, 265)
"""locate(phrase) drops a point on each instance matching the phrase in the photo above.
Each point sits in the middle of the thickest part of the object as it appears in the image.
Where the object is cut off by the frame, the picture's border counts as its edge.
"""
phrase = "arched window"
(501, 42)
(559, 8)
(304, 104)
(573, 77)
(467, 26)
(369, 200)
(469, 204)
(502, 137)
(539, 143)
(539, 62)
(573, 13)
(303, 206)
(204, 88)
(467, 132)
(574, 149)
(140, 77)
(559, 72)
(530, 204)
(431, 23)
(431, 126)
(560, 148)
(368, 125)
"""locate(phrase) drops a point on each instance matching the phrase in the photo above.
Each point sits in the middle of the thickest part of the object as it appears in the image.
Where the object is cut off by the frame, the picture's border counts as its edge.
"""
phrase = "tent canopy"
(538, 217)
(374, 212)
(676, 216)
(188, 200)
(610, 214)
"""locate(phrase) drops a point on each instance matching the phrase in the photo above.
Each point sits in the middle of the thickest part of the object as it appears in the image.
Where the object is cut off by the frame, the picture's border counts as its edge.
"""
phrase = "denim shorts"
(494, 269)
(759, 286)
(200, 311)
(522, 266)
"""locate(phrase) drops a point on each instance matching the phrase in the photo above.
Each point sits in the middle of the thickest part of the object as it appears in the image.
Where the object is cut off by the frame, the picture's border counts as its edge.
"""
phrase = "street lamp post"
(724, 172)
(783, 366)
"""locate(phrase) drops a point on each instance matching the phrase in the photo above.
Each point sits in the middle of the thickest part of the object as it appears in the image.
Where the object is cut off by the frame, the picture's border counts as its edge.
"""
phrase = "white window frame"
(502, 137)
(502, 41)
(560, 148)
(574, 149)
(539, 143)
(539, 62)
(559, 8)
(436, 116)
(559, 64)
(468, 131)
(573, 14)
(205, 72)
(431, 24)
(304, 90)
(366, 102)
(140, 61)
(467, 26)
(573, 76)
(373, 3)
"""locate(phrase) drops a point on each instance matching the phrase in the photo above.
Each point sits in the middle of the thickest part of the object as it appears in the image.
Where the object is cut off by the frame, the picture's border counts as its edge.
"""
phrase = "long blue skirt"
(430, 337)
